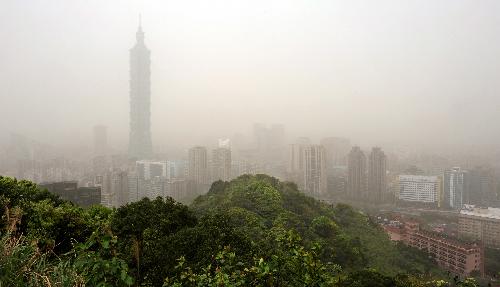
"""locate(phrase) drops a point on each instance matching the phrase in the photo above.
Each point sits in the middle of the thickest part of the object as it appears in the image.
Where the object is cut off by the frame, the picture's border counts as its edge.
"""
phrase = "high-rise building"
(314, 170)
(198, 165)
(456, 187)
(419, 188)
(147, 169)
(377, 184)
(100, 140)
(295, 163)
(140, 144)
(114, 188)
(139, 187)
(336, 151)
(356, 178)
(176, 169)
(119, 185)
(221, 164)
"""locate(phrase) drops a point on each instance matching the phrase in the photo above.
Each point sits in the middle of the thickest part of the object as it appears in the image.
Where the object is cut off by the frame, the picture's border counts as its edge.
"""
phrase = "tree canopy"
(251, 231)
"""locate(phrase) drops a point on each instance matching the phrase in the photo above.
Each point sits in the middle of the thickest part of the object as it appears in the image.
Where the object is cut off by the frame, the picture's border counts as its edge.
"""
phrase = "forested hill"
(252, 231)
(261, 205)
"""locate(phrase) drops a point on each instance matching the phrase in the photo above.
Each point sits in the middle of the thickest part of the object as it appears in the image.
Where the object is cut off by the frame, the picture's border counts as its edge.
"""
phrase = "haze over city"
(250, 143)
(415, 73)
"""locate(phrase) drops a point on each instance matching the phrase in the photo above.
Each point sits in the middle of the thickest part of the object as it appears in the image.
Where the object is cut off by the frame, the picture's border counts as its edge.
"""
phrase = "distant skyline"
(389, 71)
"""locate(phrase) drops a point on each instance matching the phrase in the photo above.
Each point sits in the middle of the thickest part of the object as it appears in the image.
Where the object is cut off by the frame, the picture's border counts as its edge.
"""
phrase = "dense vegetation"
(252, 231)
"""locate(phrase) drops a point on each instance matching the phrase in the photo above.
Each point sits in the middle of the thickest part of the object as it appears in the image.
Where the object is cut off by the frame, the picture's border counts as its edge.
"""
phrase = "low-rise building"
(480, 223)
(69, 190)
(454, 255)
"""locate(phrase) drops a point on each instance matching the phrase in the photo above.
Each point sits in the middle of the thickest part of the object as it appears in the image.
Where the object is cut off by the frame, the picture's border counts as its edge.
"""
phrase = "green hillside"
(252, 231)
(346, 236)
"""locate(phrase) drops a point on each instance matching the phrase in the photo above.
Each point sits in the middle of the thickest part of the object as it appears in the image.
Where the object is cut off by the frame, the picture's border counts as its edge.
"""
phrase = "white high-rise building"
(419, 188)
(314, 170)
(456, 187)
(221, 164)
(295, 164)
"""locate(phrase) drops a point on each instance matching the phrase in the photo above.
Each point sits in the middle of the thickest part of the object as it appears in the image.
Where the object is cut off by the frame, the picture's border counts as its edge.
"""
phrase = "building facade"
(377, 181)
(455, 188)
(221, 164)
(198, 165)
(480, 223)
(140, 143)
(314, 170)
(419, 188)
(148, 169)
(456, 256)
(69, 190)
(356, 177)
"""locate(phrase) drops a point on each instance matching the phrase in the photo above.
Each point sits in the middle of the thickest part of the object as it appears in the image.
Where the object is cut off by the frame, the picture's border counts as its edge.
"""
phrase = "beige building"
(480, 223)
(221, 164)
(314, 170)
(377, 181)
(356, 179)
(198, 165)
(458, 257)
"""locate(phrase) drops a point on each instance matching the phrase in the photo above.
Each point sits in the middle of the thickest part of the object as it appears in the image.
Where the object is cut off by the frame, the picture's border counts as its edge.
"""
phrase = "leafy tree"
(146, 222)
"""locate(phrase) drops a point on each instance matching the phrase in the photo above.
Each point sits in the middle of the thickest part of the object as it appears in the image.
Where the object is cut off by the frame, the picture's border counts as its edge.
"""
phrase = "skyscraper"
(456, 187)
(356, 178)
(221, 164)
(197, 165)
(376, 174)
(295, 163)
(314, 170)
(140, 144)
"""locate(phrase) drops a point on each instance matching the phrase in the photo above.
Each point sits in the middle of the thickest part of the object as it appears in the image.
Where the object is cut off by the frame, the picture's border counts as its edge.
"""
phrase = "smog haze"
(409, 72)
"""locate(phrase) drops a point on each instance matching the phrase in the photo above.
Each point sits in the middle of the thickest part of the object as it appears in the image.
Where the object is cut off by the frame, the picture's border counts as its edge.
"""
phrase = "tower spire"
(140, 34)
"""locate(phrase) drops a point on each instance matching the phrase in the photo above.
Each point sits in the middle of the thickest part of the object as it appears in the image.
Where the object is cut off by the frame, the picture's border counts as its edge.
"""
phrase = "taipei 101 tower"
(140, 145)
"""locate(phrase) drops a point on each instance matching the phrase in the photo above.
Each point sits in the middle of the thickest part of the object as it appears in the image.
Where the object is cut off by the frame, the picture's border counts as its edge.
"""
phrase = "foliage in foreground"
(252, 231)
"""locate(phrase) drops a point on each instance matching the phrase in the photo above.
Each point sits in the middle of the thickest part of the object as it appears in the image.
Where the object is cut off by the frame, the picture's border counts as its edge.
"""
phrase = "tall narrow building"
(376, 175)
(356, 178)
(314, 170)
(140, 145)
(295, 163)
(198, 165)
(221, 164)
(456, 187)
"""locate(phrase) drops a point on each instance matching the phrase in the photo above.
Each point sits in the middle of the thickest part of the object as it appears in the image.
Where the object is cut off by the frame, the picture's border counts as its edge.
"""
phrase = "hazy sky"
(374, 71)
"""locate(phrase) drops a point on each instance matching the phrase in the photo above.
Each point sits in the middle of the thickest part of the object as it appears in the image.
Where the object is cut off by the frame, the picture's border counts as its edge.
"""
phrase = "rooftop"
(486, 212)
